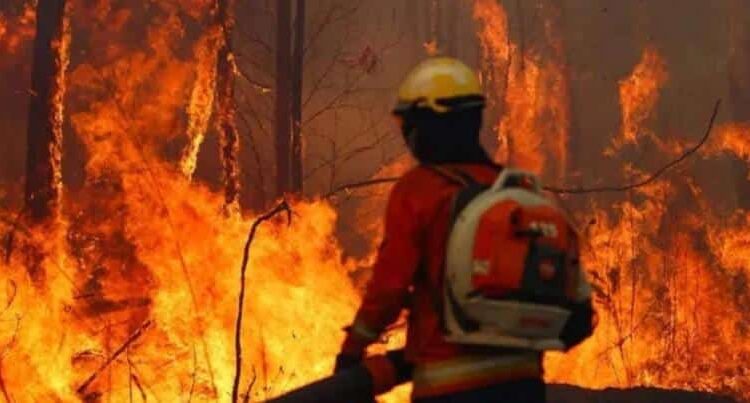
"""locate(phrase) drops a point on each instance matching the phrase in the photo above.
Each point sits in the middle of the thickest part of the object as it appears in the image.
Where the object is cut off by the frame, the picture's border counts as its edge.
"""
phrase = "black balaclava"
(451, 137)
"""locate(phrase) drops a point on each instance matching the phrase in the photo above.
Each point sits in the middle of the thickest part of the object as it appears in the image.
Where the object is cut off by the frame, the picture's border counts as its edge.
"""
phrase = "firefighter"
(439, 111)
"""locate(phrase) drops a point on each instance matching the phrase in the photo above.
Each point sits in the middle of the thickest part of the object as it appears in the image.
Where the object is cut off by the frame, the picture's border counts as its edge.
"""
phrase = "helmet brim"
(452, 104)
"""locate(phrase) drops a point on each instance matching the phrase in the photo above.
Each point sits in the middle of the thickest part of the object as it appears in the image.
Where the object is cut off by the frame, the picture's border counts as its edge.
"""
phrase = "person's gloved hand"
(345, 361)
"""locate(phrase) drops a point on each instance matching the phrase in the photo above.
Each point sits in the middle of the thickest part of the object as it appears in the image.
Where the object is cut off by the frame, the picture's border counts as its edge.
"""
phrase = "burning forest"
(191, 191)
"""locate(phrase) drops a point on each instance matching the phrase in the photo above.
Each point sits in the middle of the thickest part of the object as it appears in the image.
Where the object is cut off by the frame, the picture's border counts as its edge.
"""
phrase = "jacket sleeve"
(394, 269)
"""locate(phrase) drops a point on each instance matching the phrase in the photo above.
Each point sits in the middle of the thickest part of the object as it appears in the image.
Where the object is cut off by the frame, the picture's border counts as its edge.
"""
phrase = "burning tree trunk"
(44, 134)
(283, 96)
(201, 104)
(289, 66)
(297, 71)
(225, 103)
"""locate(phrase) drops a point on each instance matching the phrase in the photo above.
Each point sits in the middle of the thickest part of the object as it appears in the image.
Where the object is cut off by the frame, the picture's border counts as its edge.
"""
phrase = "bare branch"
(654, 176)
(11, 236)
(329, 20)
(130, 340)
(328, 69)
(358, 185)
(263, 88)
(281, 207)
(604, 189)
(350, 88)
(193, 376)
(3, 388)
(348, 156)
(248, 134)
(251, 38)
(12, 297)
(6, 348)
(250, 386)
(130, 376)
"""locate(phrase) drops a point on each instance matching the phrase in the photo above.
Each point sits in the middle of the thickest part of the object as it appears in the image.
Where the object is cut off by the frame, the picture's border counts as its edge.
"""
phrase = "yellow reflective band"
(467, 369)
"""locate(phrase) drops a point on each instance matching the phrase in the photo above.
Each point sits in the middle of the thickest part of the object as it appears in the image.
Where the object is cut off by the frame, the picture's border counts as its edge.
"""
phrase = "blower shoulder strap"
(470, 188)
(452, 175)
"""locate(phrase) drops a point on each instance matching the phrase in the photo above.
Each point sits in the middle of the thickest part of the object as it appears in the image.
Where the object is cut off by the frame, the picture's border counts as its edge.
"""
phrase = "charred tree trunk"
(296, 97)
(739, 87)
(45, 119)
(283, 97)
(289, 69)
(226, 111)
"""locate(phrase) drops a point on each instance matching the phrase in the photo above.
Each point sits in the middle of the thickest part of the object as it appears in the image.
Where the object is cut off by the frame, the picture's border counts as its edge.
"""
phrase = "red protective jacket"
(408, 274)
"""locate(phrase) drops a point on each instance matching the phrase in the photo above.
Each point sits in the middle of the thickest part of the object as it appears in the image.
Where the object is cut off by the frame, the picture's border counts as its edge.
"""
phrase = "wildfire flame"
(733, 138)
(136, 293)
(639, 93)
(659, 268)
(668, 269)
(15, 31)
(533, 130)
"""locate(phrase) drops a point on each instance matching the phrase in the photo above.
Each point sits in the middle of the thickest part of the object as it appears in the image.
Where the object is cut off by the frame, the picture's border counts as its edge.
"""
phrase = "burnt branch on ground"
(281, 207)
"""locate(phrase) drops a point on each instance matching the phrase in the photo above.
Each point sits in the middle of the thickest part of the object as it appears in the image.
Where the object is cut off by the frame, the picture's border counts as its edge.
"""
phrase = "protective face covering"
(445, 138)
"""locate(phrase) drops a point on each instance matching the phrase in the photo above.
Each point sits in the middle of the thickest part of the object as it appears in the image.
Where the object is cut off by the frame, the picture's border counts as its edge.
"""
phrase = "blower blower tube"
(376, 375)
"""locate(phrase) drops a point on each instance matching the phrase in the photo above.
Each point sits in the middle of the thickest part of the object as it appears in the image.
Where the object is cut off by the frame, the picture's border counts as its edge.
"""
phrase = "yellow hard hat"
(440, 84)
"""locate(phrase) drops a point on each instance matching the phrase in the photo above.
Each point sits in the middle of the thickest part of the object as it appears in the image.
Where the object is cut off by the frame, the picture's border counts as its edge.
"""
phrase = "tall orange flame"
(665, 279)
(144, 245)
(639, 94)
(733, 138)
(201, 102)
(533, 130)
(16, 30)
